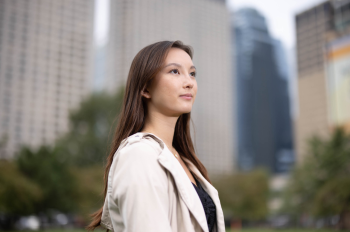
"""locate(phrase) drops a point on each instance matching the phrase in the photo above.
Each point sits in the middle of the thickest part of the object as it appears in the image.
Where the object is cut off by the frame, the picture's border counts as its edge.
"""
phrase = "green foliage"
(245, 194)
(49, 170)
(69, 175)
(333, 197)
(320, 186)
(18, 194)
(89, 188)
(91, 129)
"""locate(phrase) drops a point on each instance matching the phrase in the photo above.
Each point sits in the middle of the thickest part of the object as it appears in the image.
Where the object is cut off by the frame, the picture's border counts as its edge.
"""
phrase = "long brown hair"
(145, 66)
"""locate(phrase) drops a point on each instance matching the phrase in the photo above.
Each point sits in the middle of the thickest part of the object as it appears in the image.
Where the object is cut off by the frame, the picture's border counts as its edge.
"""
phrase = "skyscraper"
(45, 62)
(323, 59)
(203, 24)
(264, 130)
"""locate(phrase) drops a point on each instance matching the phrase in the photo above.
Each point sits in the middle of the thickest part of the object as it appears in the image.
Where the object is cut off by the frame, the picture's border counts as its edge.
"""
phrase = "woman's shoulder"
(137, 161)
(139, 144)
(138, 152)
(139, 149)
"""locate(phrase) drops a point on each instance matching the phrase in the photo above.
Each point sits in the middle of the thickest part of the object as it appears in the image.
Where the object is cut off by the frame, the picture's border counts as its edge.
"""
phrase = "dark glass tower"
(264, 128)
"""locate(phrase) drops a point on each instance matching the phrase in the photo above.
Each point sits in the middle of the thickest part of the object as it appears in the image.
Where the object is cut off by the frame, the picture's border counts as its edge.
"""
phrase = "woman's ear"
(145, 93)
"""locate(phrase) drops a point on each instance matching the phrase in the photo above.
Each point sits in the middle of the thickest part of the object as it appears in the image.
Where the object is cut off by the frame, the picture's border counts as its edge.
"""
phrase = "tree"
(49, 170)
(245, 194)
(89, 189)
(91, 127)
(18, 194)
(66, 176)
(321, 185)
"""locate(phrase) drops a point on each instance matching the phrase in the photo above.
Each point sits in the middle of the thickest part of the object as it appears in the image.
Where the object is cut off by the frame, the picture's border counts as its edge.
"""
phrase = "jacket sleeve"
(140, 189)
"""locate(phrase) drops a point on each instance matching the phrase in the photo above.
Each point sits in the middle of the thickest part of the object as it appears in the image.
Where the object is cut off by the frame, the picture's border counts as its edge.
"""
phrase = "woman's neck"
(161, 126)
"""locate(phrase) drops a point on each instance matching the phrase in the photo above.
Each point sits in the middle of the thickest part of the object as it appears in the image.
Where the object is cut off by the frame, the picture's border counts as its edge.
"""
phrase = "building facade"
(45, 62)
(319, 31)
(264, 127)
(203, 24)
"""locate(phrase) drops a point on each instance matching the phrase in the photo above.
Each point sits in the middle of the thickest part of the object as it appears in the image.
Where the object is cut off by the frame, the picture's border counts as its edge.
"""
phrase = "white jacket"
(149, 191)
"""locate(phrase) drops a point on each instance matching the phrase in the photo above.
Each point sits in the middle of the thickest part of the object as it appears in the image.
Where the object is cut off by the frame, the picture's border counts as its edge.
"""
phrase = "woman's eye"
(175, 70)
(193, 74)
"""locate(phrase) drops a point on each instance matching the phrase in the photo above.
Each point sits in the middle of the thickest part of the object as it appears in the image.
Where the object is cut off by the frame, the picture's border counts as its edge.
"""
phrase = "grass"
(281, 230)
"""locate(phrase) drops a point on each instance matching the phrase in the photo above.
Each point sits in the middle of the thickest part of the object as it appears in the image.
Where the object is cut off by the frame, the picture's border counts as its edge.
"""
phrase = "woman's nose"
(189, 83)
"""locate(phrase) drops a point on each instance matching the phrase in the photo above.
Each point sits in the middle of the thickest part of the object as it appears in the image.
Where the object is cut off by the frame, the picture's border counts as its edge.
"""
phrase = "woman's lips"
(186, 97)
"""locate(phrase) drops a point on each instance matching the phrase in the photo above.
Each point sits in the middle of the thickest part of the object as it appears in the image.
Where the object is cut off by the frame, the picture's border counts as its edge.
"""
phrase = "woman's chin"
(187, 110)
(180, 110)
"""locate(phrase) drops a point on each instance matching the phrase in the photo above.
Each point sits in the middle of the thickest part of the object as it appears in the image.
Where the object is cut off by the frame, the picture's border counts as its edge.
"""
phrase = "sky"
(280, 15)
(101, 21)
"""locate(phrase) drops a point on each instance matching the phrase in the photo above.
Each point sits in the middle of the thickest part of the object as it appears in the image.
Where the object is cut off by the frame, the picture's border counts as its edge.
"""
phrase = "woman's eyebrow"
(178, 65)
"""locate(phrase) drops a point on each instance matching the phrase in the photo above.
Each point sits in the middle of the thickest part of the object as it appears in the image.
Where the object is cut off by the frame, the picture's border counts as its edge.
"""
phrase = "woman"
(153, 178)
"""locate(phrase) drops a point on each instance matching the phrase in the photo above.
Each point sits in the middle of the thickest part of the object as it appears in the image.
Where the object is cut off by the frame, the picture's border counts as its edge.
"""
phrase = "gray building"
(45, 68)
(318, 28)
(203, 24)
(264, 130)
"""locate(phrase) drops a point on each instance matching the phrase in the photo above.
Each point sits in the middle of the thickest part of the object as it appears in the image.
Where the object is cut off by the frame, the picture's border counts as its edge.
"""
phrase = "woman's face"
(175, 79)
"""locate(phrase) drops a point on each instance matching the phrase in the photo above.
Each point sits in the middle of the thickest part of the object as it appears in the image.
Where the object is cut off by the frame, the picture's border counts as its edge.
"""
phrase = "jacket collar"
(185, 187)
(213, 193)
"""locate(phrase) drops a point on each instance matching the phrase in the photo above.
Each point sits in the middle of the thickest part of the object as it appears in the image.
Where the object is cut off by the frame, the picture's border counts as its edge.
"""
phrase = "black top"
(208, 205)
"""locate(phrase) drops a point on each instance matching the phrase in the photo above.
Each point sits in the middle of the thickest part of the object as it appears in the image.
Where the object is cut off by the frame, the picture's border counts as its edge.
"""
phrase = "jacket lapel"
(184, 186)
(213, 193)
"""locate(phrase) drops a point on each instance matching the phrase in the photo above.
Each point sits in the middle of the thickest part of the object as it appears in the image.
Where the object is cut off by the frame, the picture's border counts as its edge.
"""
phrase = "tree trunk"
(344, 221)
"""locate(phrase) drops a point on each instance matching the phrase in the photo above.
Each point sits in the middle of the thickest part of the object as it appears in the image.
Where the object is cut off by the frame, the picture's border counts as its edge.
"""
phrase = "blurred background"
(271, 121)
